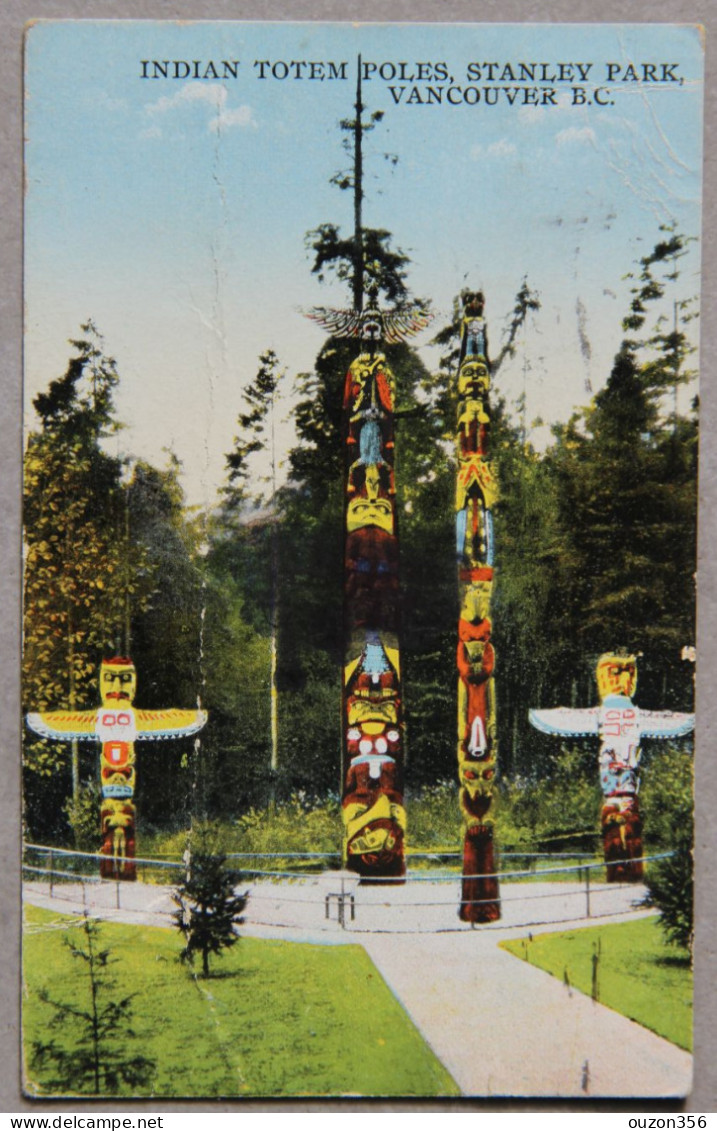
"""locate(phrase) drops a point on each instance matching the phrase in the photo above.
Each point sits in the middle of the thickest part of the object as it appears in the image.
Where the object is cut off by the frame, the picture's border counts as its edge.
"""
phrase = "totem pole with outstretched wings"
(620, 725)
(373, 812)
(117, 725)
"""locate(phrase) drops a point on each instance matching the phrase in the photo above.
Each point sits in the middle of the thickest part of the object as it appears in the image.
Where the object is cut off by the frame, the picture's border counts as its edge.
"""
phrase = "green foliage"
(209, 908)
(553, 812)
(527, 301)
(556, 809)
(625, 479)
(83, 816)
(434, 819)
(666, 794)
(667, 801)
(665, 342)
(71, 511)
(259, 398)
(337, 255)
(670, 888)
(367, 253)
(166, 635)
(90, 1055)
(297, 824)
(81, 573)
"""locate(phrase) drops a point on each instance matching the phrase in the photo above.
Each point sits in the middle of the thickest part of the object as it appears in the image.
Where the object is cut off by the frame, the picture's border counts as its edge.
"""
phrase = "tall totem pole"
(476, 494)
(373, 813)
(620, 726)
(117, 725)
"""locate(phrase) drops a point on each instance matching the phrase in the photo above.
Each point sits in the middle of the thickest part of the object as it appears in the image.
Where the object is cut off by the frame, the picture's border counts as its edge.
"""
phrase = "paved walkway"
(500, 1026)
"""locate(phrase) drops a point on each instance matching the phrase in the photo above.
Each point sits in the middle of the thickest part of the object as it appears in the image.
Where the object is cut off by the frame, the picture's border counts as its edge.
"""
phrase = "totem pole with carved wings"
(117, 725)
(373, 812)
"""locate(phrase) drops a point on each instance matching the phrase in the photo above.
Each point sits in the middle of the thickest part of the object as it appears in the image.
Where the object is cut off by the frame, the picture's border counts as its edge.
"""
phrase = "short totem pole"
(476, 494)
(373, 812)
(117, 725)
(620, 726)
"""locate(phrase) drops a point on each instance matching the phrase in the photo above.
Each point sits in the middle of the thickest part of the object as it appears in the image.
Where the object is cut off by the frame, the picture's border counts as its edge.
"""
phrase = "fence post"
(49, 861)
(117, 897)
(587, 889)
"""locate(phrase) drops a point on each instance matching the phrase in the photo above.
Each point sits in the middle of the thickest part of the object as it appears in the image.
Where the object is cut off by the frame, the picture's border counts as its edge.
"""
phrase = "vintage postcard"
(360, 508)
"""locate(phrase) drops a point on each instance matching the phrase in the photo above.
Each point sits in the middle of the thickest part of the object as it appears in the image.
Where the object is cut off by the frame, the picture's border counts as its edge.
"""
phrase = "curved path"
(499, 1025)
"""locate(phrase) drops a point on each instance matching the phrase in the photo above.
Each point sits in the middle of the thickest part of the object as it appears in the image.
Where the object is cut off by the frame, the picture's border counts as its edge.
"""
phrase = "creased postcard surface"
(361, 431)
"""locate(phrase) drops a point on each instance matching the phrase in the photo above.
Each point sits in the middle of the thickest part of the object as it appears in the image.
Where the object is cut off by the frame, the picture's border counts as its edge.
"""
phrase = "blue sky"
(173, 211)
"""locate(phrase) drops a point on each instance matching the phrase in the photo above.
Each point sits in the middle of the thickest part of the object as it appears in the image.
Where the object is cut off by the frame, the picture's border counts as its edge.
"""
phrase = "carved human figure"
(475, 496)
(117, 725)
(620, 726)
(372, 759)
(373, 812)
(474, 341)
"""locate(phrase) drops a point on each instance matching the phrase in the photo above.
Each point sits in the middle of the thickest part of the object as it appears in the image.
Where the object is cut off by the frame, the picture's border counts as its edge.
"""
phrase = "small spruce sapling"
(209, 909)
(91, 1055)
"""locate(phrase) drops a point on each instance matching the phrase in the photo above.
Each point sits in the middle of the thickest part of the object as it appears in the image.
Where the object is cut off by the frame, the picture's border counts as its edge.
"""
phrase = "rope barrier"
(350, 892)
(425, 877)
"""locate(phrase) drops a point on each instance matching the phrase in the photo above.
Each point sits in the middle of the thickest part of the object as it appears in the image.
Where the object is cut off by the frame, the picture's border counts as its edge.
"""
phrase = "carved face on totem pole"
(118, 682)
(473, 304)
(616, 675)
(473, 380)
(373, 812)
(372, 505)
(477, 597)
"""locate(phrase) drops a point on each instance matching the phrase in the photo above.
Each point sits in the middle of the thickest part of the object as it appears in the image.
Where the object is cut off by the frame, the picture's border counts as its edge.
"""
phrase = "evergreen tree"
(667, 802)
(242, 622)
(256, 435)
(231, 772)
(80, 569)
(164, 638)
(92, 1053)
(625, 472)
(367, 250)
(209, 908)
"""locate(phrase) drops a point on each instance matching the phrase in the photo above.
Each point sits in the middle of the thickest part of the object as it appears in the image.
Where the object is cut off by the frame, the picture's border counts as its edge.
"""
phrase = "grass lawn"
(278, 1019)
(638, 974)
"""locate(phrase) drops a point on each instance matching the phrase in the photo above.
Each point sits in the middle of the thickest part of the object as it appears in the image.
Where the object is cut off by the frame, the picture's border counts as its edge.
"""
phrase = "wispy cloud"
(501, 148)
(577, 135)
(213, 95)
(531, 115)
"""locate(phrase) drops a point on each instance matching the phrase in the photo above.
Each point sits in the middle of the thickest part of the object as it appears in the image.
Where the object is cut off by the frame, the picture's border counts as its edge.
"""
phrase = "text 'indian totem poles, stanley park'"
(116, 724)
(374, 816)
(476, 494)
(620, 726)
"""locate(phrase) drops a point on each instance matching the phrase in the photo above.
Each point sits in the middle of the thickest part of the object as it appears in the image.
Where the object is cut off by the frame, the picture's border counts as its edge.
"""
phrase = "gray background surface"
(13, 16)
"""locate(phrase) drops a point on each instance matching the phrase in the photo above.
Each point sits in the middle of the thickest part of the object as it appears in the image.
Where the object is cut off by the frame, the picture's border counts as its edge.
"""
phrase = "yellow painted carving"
(475, 470)
(356, 815)
(476, 601)
(616, 675)
(370, 509)
(473, 379)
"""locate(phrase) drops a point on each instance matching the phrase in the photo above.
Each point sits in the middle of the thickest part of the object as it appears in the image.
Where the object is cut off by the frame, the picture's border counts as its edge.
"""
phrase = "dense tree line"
(242, 607)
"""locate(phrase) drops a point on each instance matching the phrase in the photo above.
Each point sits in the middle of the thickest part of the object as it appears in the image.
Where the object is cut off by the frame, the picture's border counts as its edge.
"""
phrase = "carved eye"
(381, 745)
(365, 745)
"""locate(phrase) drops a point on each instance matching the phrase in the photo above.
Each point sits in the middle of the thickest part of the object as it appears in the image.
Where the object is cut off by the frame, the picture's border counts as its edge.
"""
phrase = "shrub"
(209, 908)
